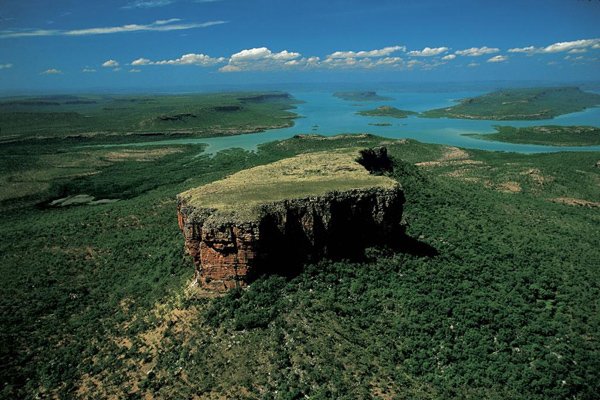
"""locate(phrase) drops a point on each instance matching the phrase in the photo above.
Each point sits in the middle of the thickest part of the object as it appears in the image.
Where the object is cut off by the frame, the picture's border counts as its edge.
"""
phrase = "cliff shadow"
(289, 261)
(409, 245)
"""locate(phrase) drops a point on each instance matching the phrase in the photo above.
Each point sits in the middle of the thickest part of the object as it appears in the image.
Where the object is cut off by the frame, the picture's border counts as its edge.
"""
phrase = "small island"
(361, 96)
(386, 111)
(380, 124)
(551, 135)
(520, 104)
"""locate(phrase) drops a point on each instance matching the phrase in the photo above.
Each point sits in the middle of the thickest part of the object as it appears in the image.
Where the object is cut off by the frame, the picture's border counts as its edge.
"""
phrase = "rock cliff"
(275, 217)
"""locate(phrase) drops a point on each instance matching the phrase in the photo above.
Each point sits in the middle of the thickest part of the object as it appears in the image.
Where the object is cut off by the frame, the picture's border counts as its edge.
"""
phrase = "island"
(386, 111)
(274, 217)
(361, 96)
(550, 135)
(520, 104)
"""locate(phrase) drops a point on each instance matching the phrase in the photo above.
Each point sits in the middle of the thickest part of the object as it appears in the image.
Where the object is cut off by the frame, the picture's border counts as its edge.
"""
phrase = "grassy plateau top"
(305, 175)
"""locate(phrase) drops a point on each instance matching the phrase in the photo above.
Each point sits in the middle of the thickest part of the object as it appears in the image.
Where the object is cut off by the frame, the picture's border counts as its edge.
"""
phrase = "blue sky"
(118, 44)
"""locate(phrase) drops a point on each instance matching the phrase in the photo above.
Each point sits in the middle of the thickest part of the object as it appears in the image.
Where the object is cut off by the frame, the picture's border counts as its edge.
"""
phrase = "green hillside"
(96, 302)
(520, 104)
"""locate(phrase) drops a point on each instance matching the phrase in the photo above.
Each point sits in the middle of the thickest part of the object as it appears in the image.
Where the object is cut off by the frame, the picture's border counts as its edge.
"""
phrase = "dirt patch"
(140, 155)
(576, 202)
(454, 153)
(451, 156)
(536, 176)
(509, 187)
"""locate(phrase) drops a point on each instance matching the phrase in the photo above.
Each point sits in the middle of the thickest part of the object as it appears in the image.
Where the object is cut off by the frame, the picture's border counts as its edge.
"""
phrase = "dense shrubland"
(95, 299)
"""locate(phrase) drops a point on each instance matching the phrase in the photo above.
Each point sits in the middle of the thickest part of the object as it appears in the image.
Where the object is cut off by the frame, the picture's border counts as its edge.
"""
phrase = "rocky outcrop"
(230, 248)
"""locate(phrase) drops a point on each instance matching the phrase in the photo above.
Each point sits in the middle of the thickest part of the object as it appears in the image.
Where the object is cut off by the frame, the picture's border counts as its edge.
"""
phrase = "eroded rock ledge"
(275, 217)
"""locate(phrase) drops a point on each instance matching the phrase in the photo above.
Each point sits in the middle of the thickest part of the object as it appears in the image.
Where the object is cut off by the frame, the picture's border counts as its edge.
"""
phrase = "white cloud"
(135, 70)
(141, 61)
(575, 46)
(497, 59)
(156, 26)
(261, 53)
(449, 57)
(575, 51)
(528, 49)
(477, 51)
(230, 68)
(88, 70)
(364, 59)
(187, 59)
(263, 59)
(473, 65)
(110, 64)
(166, 21)
(51, 71)
(390, 61)
(565, 46)
(428, 52)
(5, 66)
(386, 51)
(147, 4)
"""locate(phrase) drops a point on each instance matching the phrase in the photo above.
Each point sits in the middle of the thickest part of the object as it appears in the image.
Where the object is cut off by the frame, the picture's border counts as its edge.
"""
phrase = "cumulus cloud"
(428, 52)
(261, 53)
(88, 70)
(51, 71)
(477, 51)
(173, 24)
(528, 49)
(5, 66)
(574, 46)
(473, 65)
(361, 63)
(449, 57)
(110, 64)
(263, 59)
(201, 60)
(135, 70)
(386, 51)
(363, 59)
(497, 59)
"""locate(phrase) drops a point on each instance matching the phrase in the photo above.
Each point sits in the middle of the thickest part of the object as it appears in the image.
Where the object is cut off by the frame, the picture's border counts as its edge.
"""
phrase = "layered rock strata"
(334, 208)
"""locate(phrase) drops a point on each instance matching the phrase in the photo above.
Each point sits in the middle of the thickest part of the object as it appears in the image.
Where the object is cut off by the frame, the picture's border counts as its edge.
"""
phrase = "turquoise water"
(321, 113)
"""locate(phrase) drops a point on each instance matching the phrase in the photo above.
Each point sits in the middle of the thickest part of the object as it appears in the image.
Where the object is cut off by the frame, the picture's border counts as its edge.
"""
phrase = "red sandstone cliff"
(229, 253)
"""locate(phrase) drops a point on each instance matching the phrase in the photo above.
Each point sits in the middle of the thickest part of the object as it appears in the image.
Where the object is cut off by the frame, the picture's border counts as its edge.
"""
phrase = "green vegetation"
(360, 96)
(197, 115)
(386, 111)
(520, 104)
(95, 299)
(380, 124)
(302, 176)
(552, 135)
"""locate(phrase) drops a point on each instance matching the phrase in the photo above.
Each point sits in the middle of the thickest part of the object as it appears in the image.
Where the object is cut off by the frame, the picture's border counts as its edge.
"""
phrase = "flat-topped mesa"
(274, 217)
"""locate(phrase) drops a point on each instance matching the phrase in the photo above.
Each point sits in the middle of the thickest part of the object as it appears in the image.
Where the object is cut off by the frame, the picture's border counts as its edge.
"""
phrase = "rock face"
(230, 248)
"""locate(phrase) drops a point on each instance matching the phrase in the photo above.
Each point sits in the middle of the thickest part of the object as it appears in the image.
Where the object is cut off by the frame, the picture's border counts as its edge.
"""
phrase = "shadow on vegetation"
(289, 262)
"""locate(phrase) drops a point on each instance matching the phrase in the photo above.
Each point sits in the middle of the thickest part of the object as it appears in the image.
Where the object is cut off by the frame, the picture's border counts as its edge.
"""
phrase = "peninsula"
(520, 104)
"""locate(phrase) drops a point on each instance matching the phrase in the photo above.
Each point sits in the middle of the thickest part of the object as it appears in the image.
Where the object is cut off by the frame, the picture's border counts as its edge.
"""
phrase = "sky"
(83, 45)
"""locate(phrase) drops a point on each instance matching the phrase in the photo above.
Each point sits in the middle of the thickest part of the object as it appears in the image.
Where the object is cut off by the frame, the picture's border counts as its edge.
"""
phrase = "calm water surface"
(322, 113)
